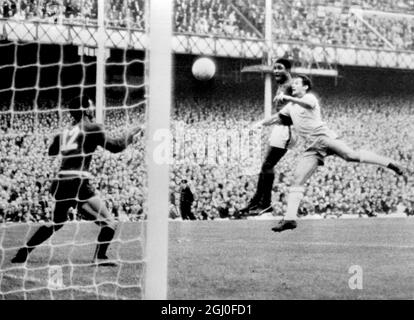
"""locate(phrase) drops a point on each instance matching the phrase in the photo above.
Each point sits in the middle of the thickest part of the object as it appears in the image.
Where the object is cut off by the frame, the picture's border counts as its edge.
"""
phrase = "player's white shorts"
(283, 137)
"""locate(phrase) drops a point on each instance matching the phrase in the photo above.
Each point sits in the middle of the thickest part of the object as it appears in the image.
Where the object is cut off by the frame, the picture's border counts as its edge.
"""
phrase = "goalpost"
(268, 76)
(159, 87)
(130, 81)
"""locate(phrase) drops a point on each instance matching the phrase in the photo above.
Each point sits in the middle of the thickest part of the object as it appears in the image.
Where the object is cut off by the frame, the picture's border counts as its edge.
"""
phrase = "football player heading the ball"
(281, 139)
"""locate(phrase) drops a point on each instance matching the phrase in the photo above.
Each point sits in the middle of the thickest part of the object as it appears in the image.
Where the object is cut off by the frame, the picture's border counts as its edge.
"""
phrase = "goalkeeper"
(71, 187)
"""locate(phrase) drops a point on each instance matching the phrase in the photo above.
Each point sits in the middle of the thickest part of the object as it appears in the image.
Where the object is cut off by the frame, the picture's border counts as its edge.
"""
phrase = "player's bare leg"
(341, 149)
(304, 170)
(96, 208)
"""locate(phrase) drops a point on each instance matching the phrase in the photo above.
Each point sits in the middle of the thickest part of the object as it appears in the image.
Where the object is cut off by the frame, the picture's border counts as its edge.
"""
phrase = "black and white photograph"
(228, 151)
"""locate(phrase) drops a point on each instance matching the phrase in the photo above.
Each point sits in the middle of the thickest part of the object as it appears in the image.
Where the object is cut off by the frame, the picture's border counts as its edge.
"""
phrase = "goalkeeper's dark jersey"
(77, 144)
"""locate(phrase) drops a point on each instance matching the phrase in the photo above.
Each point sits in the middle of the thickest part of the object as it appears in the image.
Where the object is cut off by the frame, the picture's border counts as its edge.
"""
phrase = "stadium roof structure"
(85, 37)
(298, 70)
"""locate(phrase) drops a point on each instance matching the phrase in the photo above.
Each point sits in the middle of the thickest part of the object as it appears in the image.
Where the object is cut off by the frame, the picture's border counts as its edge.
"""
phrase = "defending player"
(280, 140)
(71, 187)
(304, 110)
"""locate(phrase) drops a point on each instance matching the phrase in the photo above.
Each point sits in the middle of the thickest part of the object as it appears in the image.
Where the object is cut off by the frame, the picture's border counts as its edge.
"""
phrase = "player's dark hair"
(285, 62)
(306, 81)
(78, 106)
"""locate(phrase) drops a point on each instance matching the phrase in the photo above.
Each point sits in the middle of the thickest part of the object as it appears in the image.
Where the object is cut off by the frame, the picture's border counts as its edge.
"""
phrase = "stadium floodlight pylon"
(37, 79)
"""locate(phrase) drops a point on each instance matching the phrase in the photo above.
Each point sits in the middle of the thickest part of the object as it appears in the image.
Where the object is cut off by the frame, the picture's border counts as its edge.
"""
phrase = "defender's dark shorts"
(69, 192)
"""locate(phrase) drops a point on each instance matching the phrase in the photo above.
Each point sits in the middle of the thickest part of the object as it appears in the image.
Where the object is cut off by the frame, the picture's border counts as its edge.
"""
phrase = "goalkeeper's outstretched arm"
(116, 145)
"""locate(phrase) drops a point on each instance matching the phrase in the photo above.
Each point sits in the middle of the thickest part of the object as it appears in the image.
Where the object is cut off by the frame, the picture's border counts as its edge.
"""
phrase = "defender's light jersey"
(308, 122)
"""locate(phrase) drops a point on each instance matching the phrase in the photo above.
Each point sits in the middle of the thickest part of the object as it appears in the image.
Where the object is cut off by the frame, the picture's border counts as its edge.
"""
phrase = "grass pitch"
(223, 260)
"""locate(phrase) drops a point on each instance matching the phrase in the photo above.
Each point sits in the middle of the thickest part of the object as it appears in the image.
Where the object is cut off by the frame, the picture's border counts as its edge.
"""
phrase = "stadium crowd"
(216, 17)
(119, 13)
(338, 188)
(224, 182)
(401, 6)
(338, 26)
(380, 24)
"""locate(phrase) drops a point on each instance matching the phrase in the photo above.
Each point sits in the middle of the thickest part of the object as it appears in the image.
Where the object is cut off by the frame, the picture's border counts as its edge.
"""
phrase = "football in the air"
(204, 69)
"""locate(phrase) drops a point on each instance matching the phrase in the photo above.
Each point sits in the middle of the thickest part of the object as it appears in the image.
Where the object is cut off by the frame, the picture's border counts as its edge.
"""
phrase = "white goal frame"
(159, 62)
(158, 85)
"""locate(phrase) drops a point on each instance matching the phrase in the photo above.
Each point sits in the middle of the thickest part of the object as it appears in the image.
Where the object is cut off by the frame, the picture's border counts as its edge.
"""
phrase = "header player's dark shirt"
(285, 88)
(77, 144)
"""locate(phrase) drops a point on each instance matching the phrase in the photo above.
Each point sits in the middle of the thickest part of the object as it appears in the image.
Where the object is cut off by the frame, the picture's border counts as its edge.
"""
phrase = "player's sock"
(21, 255)
(396, 168)
(373, 158)
(104, 238)
(267, 175)
(41, 235)
(294, 198)
(267, 190)
(259, 189)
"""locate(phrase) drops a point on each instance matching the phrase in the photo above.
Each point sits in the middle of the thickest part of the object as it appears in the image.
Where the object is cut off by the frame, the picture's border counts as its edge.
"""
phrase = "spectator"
(186, 201)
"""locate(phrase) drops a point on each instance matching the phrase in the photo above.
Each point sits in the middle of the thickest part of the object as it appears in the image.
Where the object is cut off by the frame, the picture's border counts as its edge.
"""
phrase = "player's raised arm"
(116, 145)
(132, 133)
(308, 101)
